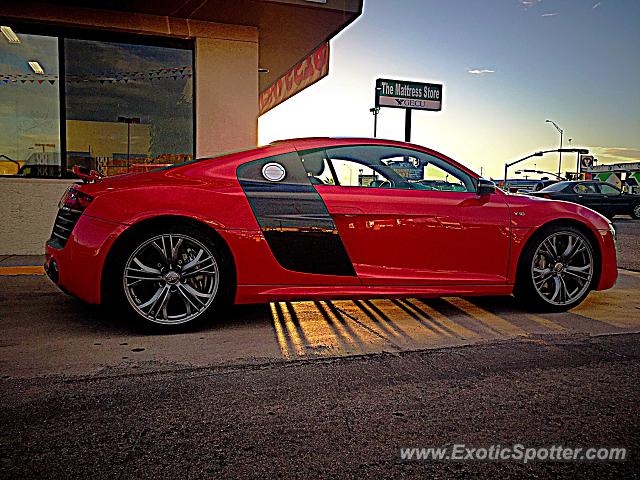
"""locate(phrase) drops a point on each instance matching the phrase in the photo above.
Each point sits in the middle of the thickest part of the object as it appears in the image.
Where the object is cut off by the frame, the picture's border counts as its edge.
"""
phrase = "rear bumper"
(77, 268)
(609, 272)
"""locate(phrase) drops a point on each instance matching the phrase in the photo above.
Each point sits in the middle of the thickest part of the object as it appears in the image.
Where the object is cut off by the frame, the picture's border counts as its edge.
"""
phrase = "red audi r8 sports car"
(319, 218)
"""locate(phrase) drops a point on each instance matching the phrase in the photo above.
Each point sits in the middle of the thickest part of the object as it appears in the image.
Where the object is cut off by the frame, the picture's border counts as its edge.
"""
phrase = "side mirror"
(486, 187)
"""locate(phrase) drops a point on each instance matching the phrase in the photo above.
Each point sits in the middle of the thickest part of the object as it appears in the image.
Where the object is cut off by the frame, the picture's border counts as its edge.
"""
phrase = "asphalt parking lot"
(316, 388)
(628, 233)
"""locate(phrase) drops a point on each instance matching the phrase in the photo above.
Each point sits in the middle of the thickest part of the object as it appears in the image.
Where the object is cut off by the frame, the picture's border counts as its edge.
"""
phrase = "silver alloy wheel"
(636, 210)
(562, 267)
(171, 279)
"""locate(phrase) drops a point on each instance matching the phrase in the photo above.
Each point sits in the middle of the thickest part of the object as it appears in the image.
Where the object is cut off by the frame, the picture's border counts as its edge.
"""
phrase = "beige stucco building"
(162, 80)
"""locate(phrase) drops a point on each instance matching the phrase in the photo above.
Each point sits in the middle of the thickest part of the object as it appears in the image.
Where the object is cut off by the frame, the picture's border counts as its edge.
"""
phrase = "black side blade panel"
(294, 219)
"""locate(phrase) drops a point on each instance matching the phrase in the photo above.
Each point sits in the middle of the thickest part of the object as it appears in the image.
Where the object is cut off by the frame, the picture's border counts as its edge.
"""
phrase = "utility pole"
(44, 145)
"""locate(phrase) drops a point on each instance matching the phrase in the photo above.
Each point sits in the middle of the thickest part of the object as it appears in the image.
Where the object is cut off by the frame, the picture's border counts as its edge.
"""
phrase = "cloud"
(553, 14)
(596, 5)
(529, 3)
(617, 154)
(480, 71)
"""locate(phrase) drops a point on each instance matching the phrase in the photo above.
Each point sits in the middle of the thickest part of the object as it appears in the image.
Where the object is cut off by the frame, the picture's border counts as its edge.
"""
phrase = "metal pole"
(560, 160)
(375, 124)
(128, 144)
(407, 125)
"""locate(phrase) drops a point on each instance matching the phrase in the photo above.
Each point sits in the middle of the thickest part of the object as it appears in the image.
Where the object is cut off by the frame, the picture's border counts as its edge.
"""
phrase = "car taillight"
(75, 200)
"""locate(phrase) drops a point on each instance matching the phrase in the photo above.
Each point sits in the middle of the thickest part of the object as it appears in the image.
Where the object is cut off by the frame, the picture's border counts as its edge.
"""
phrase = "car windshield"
(556, 187)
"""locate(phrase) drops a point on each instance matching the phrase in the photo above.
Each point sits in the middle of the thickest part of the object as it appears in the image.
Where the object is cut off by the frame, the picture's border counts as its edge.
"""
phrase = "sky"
(506, 67)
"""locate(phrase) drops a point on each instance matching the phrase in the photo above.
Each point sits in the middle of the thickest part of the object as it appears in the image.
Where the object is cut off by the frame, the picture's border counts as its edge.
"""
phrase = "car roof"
(318, 142)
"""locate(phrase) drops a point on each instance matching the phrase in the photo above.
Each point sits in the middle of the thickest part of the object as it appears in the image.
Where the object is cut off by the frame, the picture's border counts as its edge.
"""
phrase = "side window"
(435, 178)
(585, 188)
(375, 166)
(354, 174)
(609, 189)
(317, 167)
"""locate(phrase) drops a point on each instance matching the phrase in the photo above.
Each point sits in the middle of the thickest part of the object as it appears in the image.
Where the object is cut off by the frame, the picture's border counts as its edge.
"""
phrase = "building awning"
(289, 30)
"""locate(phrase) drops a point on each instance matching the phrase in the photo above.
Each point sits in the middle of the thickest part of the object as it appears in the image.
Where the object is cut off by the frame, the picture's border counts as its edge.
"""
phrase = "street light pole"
(507, 165)
(561, 132)
(579, 151)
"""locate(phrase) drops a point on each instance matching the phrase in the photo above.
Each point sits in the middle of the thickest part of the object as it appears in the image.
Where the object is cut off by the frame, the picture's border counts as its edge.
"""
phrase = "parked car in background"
(599, 196)
(540, 184)
(544, 184)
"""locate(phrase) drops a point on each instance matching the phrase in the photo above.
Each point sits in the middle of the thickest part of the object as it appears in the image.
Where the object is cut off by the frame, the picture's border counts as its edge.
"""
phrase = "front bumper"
(609, 272)
(77, 268)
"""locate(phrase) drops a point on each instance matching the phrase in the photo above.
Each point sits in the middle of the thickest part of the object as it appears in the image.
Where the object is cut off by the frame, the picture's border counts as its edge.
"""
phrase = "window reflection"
(29, 106)
(129, 107)
(383, 167)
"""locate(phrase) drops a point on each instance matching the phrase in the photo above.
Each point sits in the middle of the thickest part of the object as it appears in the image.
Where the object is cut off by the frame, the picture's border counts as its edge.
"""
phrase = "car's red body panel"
(400, 242)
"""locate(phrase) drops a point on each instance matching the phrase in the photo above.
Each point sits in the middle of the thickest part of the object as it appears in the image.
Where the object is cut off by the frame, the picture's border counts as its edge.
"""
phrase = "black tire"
(635, 211)
(538, 261)
(142, 255)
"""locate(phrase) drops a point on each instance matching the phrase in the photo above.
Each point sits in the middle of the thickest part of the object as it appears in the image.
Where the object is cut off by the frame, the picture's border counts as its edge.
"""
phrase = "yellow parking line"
(22, 270)
(281, 336)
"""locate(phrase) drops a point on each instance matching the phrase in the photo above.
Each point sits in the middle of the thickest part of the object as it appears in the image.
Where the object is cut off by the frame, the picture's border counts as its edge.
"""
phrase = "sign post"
(407, 125)
(410, 96)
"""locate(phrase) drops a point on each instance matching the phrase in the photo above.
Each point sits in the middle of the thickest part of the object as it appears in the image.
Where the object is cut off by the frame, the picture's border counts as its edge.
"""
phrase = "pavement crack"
(347, 422)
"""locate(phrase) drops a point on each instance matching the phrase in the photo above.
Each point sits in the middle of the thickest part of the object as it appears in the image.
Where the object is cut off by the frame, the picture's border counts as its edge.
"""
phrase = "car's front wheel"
(635, 211)
(171, 276)
(557, 269)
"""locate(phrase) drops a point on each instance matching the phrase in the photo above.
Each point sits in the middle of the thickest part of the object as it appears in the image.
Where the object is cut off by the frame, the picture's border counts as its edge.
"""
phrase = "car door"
(588, 194)
(410, 218)
(613, 201)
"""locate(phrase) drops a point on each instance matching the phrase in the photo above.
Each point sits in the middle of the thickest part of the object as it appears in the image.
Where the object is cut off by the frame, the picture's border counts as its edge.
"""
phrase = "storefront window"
(128, 107)
(29, 106)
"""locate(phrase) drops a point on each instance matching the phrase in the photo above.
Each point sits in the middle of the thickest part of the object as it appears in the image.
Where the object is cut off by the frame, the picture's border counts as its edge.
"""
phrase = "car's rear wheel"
(171, 276)
(635, 211)
(557, 269)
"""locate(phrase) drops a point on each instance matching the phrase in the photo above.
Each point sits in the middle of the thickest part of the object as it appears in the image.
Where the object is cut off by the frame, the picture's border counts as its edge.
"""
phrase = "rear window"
(556, 187)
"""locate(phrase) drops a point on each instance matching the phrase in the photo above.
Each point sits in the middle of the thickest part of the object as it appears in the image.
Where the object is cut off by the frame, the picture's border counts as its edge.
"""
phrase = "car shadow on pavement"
(65, 312)
(349, 322)
(520, 316)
